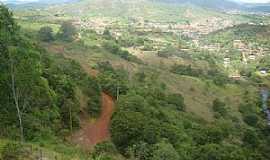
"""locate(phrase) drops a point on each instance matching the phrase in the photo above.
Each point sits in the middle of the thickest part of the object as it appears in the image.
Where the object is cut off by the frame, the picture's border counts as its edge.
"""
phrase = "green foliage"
(105, 147)
(93, 90)
(67, 32)
(114, 48)
(107, 34)
(21, 83)
(216, 76)
(219, 152)
(64, 77)
(251, 138)
(46, 34)
(164, 151)
(141, 150)
(44, 87)
(249, 112)
(186, 70)
(132, 123)
(251, 119)
(177, 101)
(219, 108)
(128, 40)
(209, 134)
(137, 124)
(167, 52)
(111, 80)
(12, 151)
(149, 122)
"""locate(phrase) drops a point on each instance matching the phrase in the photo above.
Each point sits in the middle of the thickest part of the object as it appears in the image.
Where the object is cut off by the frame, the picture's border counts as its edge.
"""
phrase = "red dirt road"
(98, 131)
(93, 133)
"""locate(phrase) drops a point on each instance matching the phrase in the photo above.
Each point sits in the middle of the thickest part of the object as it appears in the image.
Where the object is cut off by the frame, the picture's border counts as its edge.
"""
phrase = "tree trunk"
(16, 99)
(70, 119)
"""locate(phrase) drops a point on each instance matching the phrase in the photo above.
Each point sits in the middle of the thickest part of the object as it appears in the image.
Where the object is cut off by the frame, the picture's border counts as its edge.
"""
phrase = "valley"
(134, 80)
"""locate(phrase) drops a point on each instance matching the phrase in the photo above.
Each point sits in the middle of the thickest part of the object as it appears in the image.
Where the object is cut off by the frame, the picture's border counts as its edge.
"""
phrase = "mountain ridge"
(220, 5)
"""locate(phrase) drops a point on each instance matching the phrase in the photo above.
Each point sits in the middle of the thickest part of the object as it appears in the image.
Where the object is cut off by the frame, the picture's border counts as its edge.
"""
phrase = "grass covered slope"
(186, 108)
(125, 11)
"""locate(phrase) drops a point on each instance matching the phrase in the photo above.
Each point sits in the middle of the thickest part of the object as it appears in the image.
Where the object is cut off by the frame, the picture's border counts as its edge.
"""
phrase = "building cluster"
(139, 24)
(250, 52)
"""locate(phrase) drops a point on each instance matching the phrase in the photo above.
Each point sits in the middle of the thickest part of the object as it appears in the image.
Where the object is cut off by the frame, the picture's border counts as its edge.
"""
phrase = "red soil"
(94, 133)
(91, 134)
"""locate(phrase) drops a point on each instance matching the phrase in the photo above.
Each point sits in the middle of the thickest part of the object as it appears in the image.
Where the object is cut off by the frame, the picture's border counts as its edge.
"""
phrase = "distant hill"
(151, 10)
(225, 5)
(258, 7)
(18, 4)
(213, 4)
(34, 2)
(220, 5)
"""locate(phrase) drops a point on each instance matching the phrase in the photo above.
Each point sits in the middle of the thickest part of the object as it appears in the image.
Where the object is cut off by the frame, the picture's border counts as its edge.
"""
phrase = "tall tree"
(67, 31)
(46, 34)
(20, 68)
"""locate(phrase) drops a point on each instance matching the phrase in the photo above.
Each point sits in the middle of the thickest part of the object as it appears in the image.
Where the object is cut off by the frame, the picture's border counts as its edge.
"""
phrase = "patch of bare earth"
(98, 131)
(91, 133)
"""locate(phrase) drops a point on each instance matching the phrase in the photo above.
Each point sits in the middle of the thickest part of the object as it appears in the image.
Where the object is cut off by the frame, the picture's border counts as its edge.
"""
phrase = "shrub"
(219, 108)
(67, 32)
(46, 34)
(177, 100)
(12, 151)
(164, 151)
(251, 119)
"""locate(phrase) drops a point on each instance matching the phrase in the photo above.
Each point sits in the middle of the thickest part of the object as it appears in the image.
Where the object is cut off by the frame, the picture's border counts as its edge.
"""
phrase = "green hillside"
(169, 97)
(128, 10)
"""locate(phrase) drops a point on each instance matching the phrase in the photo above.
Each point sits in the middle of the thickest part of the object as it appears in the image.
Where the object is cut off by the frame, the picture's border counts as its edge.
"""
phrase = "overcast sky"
(254, 1)
(249, 1)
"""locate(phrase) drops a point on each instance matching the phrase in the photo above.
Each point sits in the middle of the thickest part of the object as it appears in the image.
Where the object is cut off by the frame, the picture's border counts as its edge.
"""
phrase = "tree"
(126, 128)
(8, 29)
(219, 108)
(67, 31)
(46, 34)
(20, 77)
(251, 138)
(164, 151)
(251, 119)
(12, 151)
(176, 100)
(107, 34)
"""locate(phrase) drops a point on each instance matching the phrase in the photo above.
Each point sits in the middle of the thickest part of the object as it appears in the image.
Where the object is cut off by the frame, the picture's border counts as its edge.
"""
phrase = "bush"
(186, 70)
(105, 147)
(251, 119)
(12, 151)
(250, 138)
(167, 52)
(46, 34)
(177, 100)
(114, 48)
(219, 108)
(92, 89)
(67, 32)
(164, 151)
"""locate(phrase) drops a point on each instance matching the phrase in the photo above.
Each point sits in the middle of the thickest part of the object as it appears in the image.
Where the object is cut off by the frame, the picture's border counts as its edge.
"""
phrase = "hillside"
(147, 9)
(224, 5)
(132, 80)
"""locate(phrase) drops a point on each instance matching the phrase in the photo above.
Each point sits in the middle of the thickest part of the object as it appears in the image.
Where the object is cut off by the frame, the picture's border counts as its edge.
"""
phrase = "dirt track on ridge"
(91, 133)
(98, 131)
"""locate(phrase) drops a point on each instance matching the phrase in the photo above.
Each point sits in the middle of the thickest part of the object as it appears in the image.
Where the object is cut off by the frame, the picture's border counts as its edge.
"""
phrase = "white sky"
(254, 1)
(249, 1)
(20, 0)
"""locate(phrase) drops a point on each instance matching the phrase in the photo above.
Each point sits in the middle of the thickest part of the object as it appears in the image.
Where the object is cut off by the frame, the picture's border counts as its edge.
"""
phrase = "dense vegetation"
(40, 102)
(158, 126)
(39, 91)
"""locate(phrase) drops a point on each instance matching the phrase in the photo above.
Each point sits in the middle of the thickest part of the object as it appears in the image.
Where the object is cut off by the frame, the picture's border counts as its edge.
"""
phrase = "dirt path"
(98, 131)
(91, 133)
